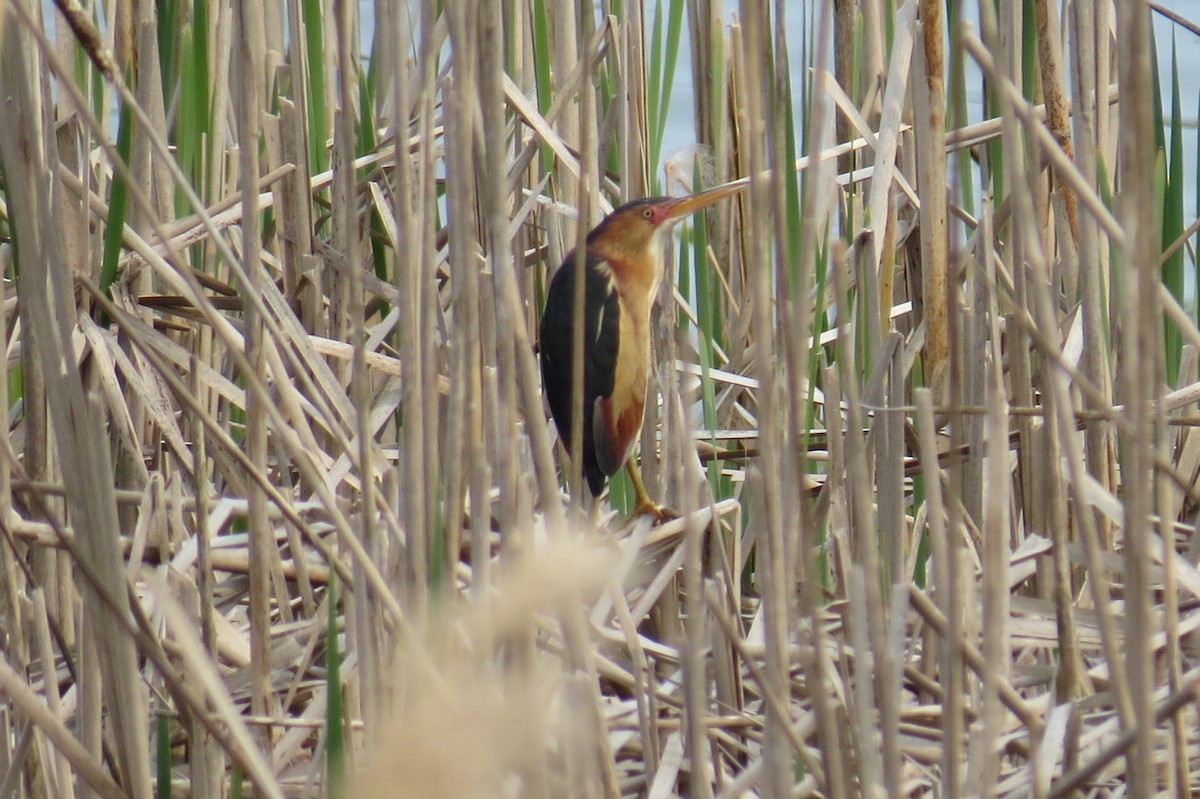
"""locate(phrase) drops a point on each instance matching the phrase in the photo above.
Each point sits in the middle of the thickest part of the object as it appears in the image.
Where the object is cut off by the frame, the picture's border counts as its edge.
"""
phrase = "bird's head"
(636, 232)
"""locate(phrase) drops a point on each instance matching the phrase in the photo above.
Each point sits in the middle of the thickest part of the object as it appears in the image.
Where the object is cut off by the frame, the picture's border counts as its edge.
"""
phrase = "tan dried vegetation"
(271, 355)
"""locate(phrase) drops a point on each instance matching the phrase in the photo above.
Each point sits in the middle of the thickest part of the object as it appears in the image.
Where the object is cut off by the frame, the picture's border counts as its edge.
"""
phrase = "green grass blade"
(318, 128)
(654, 89)
(168, 44)
(194, 126)
(235, 781)
(674, 31)
(1196, 239)
(1029, 65)
(118, 199)
(16, 384)
(162, 737)
(709, 320)
(1160, 139)
(367, 143)
(335, 739)
(1115, 280)
(889, 31)
(1172, 222)
(620, 492)
(660, 76)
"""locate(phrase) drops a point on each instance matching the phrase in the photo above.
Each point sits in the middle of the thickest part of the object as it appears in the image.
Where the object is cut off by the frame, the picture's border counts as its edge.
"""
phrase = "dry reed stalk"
(867, 546)
(82, 447)
(1056, 437)
(778, 626)
(87, 767)
(1070, 680)
(1141, 332)
(1092, 256)
(997, 535)
(755, 71)
(929, 115)
(262, 543)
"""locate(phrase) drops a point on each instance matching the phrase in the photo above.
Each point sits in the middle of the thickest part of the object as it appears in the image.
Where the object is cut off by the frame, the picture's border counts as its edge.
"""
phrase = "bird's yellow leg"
(644, 504)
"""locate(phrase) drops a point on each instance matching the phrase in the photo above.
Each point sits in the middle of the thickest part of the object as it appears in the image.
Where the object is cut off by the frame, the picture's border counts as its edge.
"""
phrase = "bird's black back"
(600, 343)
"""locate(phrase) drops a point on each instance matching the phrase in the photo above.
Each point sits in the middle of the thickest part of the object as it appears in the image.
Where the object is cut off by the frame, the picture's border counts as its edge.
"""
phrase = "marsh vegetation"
(283, 512)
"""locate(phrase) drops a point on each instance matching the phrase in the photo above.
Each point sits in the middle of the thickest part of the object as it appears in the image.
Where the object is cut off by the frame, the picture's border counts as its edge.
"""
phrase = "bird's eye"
(648, 212)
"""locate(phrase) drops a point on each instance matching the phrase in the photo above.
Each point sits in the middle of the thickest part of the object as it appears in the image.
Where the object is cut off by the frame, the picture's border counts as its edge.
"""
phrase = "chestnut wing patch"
(615, 430)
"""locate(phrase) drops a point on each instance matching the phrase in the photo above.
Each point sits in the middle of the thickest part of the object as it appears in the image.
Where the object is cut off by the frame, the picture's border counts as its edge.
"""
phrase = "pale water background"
(801, 17)
(680, 134)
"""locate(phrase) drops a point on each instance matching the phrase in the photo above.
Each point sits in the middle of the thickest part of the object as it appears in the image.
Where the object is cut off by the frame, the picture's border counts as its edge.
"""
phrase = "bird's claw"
(660, 514)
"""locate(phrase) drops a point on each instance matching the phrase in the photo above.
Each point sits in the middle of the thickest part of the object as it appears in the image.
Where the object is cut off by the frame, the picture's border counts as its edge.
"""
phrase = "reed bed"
(282, 510)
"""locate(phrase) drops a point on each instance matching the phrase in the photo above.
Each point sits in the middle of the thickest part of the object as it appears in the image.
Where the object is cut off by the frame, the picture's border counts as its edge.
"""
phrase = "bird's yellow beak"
(685, 206)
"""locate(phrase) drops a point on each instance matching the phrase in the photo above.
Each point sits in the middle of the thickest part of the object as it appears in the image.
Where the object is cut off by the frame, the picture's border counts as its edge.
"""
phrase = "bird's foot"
(659, 514)
(644, 505)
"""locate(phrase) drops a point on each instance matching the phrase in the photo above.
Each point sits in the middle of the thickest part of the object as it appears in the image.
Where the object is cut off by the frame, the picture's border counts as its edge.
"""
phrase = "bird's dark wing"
(600, 343)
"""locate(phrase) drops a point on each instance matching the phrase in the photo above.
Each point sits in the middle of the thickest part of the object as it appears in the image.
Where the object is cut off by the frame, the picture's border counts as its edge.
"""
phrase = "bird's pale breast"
(625, 409)
(622, 411)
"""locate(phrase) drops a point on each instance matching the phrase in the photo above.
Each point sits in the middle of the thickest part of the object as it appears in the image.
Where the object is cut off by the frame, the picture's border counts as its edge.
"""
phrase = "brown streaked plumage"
(623, 267)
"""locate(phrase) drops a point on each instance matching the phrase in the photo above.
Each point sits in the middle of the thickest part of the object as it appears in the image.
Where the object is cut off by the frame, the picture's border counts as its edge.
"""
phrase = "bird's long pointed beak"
(686, 206)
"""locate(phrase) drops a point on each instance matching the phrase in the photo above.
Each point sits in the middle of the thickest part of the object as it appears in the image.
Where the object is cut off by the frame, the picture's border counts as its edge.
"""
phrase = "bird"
(622, 270)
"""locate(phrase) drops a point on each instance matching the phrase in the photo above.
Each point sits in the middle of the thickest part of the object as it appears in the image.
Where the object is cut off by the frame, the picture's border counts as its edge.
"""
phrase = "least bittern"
(623, 267)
